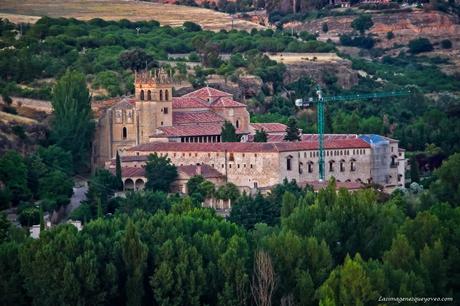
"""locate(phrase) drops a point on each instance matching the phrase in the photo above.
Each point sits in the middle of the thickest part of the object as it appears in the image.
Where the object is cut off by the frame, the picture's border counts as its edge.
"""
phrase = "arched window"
(353, 164)
(149, 95)
(393, 161)
(310, 167)
(331, 166)
(342, 165)
(289, 163)
(125, 133)
(161, 95)
(142, 95)
(166, 95)
(237, 123)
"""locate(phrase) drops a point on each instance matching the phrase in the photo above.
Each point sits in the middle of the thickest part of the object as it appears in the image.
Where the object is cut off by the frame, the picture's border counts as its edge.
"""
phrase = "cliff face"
(404, 25)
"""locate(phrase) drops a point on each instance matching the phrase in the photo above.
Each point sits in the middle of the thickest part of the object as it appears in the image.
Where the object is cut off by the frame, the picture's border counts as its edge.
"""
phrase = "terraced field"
(166, 14)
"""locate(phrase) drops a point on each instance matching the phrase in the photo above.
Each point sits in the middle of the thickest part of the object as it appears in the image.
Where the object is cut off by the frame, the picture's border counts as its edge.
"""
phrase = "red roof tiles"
(196, 117)
(226, 102)
(188, 102)
(248, 146)
(204, 170)
(269, 127)
(207, 92)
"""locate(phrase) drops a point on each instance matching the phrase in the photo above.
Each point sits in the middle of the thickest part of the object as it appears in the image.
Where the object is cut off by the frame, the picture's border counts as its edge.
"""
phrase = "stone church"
(187, 129)
(153, 114)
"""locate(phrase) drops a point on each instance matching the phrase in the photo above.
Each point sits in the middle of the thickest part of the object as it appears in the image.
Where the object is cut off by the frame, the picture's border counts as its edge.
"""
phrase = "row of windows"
(149, 95)
(337, 152)
(331, 164)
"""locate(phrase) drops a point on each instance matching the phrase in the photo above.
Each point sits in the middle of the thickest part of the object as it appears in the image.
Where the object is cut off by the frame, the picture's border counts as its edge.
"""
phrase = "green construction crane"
(320, 101)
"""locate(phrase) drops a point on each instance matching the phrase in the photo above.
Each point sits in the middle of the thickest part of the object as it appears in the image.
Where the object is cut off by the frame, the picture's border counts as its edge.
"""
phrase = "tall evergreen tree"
(414, 171)
(260, 136)
(292, 130)
(72, 126)
(228, 133)
(134, 256)
(118, 171)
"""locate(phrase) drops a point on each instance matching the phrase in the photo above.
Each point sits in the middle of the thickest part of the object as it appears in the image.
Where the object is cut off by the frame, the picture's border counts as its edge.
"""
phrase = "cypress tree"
(42, 219)
(118, 172)
(414, 171)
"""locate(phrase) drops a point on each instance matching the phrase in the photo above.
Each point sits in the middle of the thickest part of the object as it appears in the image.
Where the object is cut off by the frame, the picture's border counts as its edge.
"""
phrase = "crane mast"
(320, 102)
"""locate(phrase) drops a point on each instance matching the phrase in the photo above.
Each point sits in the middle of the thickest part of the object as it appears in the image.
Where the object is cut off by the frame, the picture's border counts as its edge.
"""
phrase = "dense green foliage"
(260, 136)
(51, 46)
(160, 172)
(228, 133)
(420, 45)
(362, 23)
(326, 248)
(72, 127)
(44, 175)
(292, 130)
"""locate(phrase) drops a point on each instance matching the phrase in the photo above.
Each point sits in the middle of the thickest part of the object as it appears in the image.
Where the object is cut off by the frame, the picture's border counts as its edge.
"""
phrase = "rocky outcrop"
(405, 25)
(321, 71)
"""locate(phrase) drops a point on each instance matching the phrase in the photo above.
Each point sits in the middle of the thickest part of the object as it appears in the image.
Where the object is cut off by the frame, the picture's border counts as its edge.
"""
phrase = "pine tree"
(292, 131)
(260, 136)
(228, 133)
(118, 171)
(72, 127)
(134, 256)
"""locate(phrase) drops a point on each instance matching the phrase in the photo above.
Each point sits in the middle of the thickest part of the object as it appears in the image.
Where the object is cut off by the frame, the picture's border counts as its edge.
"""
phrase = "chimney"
(198, 169)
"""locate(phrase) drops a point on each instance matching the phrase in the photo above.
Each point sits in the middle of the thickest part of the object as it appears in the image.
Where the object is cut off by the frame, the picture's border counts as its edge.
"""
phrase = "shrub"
(325, 27)
(420, 45)
(446, 44)
(390, 35)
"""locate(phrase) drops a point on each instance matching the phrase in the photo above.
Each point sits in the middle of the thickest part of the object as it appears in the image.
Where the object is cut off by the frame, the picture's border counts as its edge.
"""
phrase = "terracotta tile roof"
(190, 130)
(248, 146)
(130, 171)
(314, 137)
(226, 102)
(188, 102)
(196, 117)
(204, 170)
(269, 127)
(207, 92)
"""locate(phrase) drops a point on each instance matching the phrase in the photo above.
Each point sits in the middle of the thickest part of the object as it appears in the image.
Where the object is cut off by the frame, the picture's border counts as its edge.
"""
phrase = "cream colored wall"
(233, 114)
(362, 165)
(245, 169)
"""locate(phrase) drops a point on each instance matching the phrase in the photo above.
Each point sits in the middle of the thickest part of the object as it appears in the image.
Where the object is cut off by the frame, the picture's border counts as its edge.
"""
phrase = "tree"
(292, 131)
(134, 253)
(160, 173)
(362, 23)
(264, 279)
(420, 45)
(13, 177)
(191, 26)
(72, 126)
(228, 133)
(446, 44)
(136, 60)
(260, 136)
(390, 35)
(414, 170)
(447, 186)
(118, 172)
(325, 27)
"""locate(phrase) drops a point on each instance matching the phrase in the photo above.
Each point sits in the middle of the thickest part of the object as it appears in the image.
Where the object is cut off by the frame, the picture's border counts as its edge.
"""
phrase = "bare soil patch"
(166, 14)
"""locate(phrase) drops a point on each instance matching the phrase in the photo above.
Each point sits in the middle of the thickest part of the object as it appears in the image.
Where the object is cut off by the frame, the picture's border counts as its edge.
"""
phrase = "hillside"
(166, 14)
(405, 25)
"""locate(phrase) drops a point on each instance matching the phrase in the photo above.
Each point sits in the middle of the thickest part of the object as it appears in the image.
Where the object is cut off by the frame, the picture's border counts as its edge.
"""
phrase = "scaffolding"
(380, 147)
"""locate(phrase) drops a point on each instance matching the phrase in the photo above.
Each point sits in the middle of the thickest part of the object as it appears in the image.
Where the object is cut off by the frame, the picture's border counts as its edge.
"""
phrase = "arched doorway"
(129, 184)
(140, 184)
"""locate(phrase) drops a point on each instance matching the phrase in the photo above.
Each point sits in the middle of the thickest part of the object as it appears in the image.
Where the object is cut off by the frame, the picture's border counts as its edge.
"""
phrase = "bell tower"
(153, 93)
